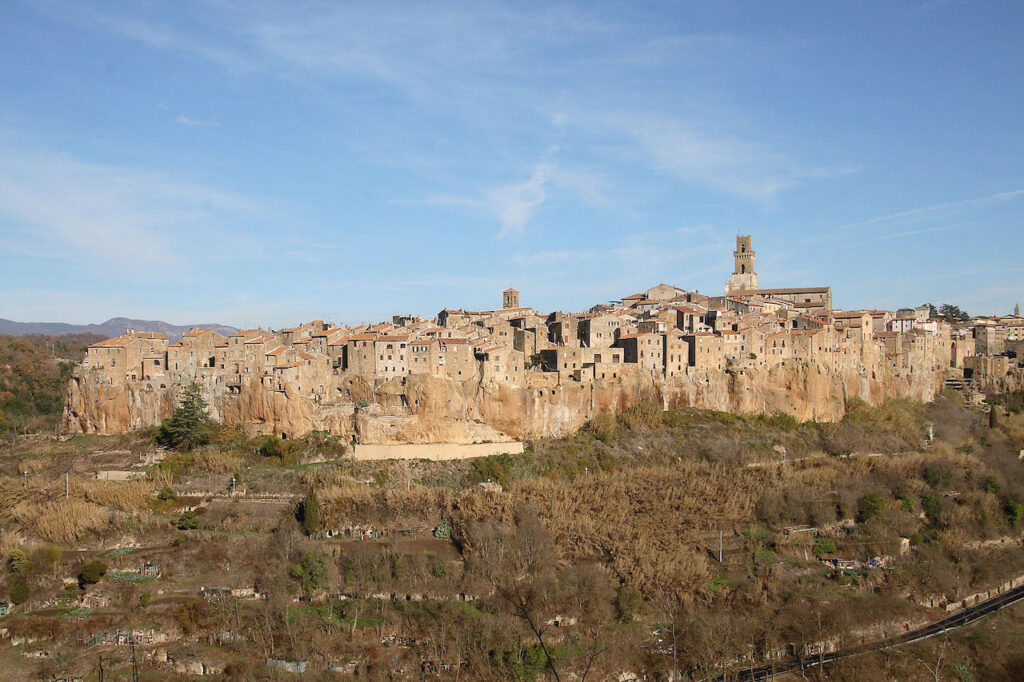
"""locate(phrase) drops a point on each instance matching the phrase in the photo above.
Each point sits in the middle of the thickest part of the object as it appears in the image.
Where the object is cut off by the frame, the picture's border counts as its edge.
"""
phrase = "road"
(967, 616)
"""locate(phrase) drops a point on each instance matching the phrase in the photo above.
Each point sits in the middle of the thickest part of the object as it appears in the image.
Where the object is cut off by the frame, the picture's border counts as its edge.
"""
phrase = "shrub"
(603, 426)
(92, 572)
(824, 546)
(144, 599)
(311, 572)
(272, 447)
(363, 403)
(1014, 511)
(931, 504)
(628, 603)
(443, 531)
(645, 413)
(18, 562)
(19, 590)
(907, 503)
(991, 485)
(869, 506)
(166, 494)
(187, 521)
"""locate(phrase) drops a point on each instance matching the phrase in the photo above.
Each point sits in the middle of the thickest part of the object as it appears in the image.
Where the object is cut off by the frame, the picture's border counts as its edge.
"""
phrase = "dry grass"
(122, 495)
(62, 520)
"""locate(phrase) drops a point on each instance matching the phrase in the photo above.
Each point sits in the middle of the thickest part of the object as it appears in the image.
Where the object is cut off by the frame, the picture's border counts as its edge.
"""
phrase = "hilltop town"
(471, 376)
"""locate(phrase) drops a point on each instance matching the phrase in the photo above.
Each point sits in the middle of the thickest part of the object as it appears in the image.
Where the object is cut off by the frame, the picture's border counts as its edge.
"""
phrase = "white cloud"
(934, 209)
(719, 161)
(515, 204)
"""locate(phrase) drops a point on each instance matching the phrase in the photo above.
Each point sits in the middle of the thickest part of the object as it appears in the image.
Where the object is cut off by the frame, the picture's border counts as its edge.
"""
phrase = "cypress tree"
(190, 426)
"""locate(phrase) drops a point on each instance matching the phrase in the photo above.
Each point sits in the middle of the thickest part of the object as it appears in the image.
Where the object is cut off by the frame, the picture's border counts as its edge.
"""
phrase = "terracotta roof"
(199, 332)
(125, 339)
(510, 290)
(363, 337)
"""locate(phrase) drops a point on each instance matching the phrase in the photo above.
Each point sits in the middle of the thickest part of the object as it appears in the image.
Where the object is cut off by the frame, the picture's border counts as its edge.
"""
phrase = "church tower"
(509, 299)
(743, 277)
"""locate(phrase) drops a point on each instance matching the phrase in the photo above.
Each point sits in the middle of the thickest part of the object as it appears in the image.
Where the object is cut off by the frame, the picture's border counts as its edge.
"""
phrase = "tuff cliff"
(420, 409)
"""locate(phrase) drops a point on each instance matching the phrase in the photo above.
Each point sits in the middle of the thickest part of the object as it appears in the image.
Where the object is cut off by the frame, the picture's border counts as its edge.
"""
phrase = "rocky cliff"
(419, 409)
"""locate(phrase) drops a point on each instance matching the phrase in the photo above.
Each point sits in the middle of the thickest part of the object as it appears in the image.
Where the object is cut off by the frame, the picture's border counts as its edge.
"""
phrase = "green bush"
(187, 521)
(18, 562)
(931, 504)
(1014, 511)
(991, 485)
(628, 603)
(144, 599)
(287, 452)
(92, 572)
(311, 572)
(907, 503)
(166, 494)
(19, 590)
(824, 546)
(869, 506)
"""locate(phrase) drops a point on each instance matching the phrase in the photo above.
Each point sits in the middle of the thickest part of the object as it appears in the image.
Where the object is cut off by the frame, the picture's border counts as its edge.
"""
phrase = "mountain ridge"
(115, 326)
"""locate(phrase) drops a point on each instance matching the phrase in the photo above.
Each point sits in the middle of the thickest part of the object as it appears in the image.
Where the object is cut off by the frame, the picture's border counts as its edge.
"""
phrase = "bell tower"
(509, 299)
(743, 276)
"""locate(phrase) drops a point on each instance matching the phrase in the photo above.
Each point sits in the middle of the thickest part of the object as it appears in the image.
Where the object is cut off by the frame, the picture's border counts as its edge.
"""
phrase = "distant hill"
(112, 327)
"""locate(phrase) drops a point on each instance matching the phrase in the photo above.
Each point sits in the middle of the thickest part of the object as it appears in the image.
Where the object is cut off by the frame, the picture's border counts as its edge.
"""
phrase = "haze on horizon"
(267, 163)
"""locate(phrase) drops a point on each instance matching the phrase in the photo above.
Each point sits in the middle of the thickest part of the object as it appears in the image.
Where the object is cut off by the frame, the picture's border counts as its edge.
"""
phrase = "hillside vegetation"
(33, 371)
(648, 542)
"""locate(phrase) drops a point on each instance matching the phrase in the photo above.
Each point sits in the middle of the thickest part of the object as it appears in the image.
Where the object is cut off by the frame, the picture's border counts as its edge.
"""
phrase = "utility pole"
(67, 485)
(721, 545)
(101, 668)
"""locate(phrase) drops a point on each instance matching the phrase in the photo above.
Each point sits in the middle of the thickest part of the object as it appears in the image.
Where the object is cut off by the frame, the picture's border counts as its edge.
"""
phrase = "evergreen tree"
(190, 426)
(311, 513)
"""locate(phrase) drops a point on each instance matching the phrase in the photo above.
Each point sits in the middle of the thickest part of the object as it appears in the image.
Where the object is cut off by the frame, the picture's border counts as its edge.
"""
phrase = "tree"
(19, 590)
(190, 426)
(92, 572)
(311, 513)
(952, 313)
(869, 506)
(311, 572)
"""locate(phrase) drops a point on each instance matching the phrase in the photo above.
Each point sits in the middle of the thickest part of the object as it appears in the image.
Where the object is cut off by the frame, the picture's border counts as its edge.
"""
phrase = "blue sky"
(266, 163)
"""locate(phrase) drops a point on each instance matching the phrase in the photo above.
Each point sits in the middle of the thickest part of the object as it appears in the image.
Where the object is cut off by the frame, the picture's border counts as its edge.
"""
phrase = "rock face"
(421, 409)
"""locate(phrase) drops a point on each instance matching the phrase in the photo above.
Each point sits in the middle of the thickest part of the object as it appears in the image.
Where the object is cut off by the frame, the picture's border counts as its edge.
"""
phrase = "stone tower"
(509, 299)
(1016, 310)
(743, 276)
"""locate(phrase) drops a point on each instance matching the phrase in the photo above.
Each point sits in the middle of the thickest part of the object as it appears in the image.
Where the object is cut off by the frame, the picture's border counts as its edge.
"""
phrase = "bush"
(869, 506)
(18, 562)
(931, 504)
(907, 503)
(19, 590)
(187, 521)
(1014, 511)
(603, 426)
(628, 603)
(991, 485)
(311, 572)
(92, 572)
(824, 546)
(645, 413)
(166, 494)
(363, 403)
(285, 451)
(144, 599)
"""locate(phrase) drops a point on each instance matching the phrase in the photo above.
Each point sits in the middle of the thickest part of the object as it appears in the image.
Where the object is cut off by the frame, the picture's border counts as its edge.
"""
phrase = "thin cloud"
(934, 208)
(196, 123)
